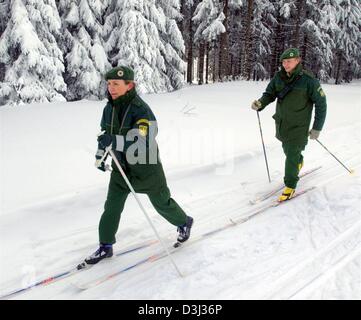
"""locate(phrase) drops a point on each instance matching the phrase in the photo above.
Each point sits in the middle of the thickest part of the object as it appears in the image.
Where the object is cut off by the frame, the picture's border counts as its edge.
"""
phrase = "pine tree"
(348, 41)
(224, 67)
(4, 9)
(235, 37)
(32, 58)
(188, 29)
(282, 31)
(173, 43)
(82, 45)
(299, 14)
(208, 18)
(263, 22)
(320, 30)
(247, 44)
(132, 33)
(4, 17)
(53, 49)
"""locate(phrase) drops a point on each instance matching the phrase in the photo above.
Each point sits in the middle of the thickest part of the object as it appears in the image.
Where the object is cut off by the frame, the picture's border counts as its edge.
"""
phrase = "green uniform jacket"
(294, 112)
(130, 114)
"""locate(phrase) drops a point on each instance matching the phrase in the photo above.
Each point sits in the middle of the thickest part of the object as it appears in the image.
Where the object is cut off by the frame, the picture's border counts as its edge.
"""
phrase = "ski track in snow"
(282, 283)
(308, 248)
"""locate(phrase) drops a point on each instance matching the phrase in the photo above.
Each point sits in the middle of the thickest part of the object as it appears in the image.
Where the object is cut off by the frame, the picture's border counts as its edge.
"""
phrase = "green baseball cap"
(290, 53)
(120, 73)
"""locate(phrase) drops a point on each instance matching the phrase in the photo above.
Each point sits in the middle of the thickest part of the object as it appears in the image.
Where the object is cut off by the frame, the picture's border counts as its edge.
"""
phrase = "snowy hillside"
(52, 198)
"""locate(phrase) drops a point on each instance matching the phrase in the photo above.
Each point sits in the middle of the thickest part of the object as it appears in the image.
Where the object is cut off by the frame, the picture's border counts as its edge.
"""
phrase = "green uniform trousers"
(293, 159)
(114, 205)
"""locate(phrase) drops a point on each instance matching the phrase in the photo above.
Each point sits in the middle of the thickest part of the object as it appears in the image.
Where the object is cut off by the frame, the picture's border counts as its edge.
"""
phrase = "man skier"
(129, 128)
(296, 90)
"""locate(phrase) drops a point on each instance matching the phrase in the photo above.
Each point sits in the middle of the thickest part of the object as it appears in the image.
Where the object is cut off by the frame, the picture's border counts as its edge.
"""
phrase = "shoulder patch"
(320, 91)
(143, 130)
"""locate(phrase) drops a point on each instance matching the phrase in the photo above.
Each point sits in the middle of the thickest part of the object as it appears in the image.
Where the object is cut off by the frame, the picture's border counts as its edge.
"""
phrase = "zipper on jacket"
(112, 122)
(111, 126)
(125, 115)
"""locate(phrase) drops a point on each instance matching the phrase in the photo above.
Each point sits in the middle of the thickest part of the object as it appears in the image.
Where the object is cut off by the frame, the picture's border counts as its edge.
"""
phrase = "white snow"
(52, 198)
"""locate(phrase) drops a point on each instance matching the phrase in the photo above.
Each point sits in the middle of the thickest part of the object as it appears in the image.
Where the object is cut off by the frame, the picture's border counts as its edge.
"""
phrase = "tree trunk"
(247, 42)
(207, 62)
(201, 63)
(278, 48)
(180, 24)
(349, 73)
(274, 56)
(299, 15)
(190, 52)
(338, 70)
(240, 60)
(231, 67)
(189, 31)
(224, 50)
(304, 50)
(215, 78)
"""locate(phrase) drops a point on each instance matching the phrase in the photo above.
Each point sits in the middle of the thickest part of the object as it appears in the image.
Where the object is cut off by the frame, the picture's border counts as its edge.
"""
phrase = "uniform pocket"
(278, 123)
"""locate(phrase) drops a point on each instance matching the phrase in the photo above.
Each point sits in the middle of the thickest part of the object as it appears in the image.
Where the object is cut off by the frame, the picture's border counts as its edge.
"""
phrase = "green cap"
(290, 53)
(120, 73)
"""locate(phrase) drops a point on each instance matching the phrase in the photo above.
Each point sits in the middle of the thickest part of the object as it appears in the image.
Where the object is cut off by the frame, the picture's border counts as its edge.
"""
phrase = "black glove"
(106, 140)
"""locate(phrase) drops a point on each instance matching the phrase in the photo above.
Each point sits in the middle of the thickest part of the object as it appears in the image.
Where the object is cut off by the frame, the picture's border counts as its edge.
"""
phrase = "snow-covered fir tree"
(56, 49)
(4, 17)
(188, 29)
(132, 33)
(320, 29)
(83, 48)
(280, 31)
(348, 41)
(208, 19)
(235, 36)
(263, 21)
(28, 49)
(231, 39)
(173, 43)
(247, 41)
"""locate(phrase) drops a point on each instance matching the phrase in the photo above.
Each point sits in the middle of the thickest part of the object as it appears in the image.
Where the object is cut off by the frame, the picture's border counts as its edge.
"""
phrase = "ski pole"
(104, 156)
(264, 149)
(142, 208)
(103, 159)
(350, 171)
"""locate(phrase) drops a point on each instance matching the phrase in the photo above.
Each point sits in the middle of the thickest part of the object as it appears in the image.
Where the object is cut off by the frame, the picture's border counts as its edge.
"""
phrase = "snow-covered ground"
(52, 198)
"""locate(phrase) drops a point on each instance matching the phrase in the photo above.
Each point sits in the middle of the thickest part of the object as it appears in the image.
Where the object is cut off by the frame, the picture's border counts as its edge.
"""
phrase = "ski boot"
(184, 231)
(287, 194)
(104, 251)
